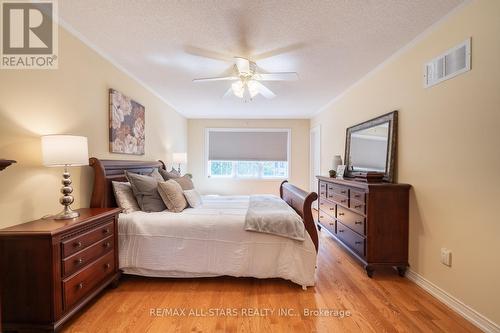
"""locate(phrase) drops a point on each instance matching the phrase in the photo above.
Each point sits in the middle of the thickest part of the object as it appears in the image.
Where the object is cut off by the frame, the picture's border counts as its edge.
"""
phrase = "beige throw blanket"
(271, 215)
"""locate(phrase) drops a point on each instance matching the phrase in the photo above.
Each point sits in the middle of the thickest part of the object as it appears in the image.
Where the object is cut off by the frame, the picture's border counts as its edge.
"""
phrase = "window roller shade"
(247, 146)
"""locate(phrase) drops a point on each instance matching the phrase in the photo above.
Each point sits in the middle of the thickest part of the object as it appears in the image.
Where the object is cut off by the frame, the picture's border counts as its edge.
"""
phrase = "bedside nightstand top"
(53, 227)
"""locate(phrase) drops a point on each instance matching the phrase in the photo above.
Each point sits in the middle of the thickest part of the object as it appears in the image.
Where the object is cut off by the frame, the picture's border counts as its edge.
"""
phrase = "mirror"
(371, 147)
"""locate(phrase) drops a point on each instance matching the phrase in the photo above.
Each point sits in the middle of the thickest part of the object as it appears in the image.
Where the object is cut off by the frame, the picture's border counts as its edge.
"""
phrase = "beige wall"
(299, 172)
(449, 141)
(72, 100)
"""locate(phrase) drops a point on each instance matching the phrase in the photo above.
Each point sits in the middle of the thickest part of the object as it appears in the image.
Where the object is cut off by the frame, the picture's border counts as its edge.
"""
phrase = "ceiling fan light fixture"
(252, 88)
(238, 88)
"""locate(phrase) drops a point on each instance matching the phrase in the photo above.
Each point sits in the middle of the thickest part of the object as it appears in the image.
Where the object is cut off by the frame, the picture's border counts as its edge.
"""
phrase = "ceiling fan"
(247, 79)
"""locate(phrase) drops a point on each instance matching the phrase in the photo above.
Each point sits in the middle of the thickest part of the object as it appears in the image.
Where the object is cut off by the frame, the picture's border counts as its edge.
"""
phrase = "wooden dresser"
(51, 269)
(370, 220)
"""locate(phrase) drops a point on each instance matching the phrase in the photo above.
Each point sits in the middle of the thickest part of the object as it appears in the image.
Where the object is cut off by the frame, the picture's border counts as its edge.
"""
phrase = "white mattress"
(210, 241)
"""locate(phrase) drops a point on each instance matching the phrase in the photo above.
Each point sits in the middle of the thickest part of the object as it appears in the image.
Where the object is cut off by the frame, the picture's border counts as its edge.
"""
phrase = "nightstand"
(52, 268)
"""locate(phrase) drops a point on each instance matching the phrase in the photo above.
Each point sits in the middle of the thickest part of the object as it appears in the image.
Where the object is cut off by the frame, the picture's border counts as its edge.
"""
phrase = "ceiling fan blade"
(283, 76)
(222, 78)
(263, 90)
(242, 64)
(204, 53)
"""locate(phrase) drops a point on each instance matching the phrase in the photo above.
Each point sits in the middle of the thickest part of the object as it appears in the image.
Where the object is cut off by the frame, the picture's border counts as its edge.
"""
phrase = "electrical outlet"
(446, 257)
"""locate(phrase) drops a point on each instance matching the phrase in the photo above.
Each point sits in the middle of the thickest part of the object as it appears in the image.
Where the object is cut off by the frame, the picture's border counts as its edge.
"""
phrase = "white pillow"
(193, 198)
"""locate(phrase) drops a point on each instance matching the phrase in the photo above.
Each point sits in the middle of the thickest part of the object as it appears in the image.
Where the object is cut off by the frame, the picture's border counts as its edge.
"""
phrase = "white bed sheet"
(210, 241)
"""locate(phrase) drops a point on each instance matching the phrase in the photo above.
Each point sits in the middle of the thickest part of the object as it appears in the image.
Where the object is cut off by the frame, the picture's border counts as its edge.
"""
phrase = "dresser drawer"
(328, 207)
(358, 206)
(358, 196)
(340, 199)
(78, 286)
(81, 259)
(327, 221)
(80, 242)
(337, 189)
(354, 221)
(354, 241)
(322, 189)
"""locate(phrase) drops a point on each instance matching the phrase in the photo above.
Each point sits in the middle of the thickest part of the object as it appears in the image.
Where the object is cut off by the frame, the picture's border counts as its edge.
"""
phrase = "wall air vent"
(453, 62)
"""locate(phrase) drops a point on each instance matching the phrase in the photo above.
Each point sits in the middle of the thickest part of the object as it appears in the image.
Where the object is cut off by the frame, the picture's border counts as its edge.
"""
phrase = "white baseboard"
(456, 305)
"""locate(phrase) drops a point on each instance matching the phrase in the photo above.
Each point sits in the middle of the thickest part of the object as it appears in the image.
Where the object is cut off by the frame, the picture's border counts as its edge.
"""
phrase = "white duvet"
(210, 240)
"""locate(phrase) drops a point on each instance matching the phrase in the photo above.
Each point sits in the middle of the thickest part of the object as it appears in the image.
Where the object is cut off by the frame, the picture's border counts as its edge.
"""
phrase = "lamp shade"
(61, 150)
(180, 158)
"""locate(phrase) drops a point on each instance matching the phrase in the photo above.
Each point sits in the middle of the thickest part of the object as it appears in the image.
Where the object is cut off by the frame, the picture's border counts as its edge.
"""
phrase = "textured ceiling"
(331, 44)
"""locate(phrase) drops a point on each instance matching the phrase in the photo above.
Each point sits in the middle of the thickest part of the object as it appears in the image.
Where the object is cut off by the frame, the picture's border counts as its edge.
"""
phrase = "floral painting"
(126, 124)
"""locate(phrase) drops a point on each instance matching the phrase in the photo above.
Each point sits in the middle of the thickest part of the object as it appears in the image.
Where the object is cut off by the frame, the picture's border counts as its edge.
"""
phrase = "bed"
(209, 240)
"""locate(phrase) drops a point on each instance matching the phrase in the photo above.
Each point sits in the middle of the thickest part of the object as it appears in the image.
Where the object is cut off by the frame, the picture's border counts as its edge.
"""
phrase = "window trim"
(248, 129)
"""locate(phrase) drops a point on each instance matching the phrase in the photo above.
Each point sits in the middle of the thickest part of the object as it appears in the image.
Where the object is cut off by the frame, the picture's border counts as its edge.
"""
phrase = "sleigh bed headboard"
(107, 171)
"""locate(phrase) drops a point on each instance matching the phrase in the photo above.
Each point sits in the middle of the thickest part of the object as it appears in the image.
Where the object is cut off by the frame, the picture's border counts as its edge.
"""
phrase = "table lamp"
(180, 158)
(65, 151)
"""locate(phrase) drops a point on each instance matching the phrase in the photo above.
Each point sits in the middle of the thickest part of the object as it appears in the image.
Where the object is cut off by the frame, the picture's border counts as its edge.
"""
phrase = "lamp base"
(66, 214)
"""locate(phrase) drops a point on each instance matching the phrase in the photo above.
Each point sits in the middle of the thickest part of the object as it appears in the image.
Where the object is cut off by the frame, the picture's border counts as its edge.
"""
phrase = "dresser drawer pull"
(321, 217)
(105, 231)
(79, 261)
(357, 195)
(80, 285)
(107, 266)
(107, 244)
(357, 206)
(341, 214)
(358, 243)
(77, 244)
(331, 223)
(343, 201)
(358, 222)
(341, 230)
(332, 208)
(343, 192)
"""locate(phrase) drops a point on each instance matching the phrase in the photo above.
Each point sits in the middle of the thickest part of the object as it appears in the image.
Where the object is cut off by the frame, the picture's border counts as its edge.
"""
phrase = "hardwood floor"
(386, 303)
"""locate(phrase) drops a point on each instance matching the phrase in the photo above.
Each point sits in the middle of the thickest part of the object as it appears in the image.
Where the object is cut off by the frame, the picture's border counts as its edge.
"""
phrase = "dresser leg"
(401, 270)
(369, 270)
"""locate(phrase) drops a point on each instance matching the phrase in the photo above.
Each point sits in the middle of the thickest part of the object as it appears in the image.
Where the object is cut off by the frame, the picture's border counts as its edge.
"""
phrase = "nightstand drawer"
(81, 259)
(78, 286)
(354, 241)
(80, 242)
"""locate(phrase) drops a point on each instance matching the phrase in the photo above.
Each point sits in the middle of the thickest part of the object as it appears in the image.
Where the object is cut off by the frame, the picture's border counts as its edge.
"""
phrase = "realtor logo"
(29, 34)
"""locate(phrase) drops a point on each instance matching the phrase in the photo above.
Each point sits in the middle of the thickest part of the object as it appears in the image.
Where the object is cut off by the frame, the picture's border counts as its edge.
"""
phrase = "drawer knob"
(107, 266)
(358, 243)
(105, 231)
(358, 222)
(341, 230)
(77, 244)
(357, 206)
(79, 261)
(331, 208)
(343, 192)
(343, 201)
(321, 217)
(107, 244)
(80, 285)
(340, 213)
(331, 223)
(357, 196)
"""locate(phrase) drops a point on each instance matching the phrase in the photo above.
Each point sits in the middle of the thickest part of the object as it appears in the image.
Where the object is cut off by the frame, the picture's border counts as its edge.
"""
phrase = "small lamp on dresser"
(180, 158)
(65, 151)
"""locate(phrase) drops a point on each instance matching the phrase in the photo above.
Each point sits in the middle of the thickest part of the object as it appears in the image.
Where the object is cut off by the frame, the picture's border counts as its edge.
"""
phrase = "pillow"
(185, 182)
(169, 174)
(193, 198)
(172, 195)
(145, 189)
(125, 197)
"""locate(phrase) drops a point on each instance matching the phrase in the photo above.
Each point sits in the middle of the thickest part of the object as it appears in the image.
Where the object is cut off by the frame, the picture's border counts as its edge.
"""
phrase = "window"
(248, 153)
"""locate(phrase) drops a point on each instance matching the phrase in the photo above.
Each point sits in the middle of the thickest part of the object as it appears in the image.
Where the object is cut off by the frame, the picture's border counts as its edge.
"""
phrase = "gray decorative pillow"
(172, 195)
(145, 189)
(185, 182)
(169, 174)
(125, 197)
(193, 198)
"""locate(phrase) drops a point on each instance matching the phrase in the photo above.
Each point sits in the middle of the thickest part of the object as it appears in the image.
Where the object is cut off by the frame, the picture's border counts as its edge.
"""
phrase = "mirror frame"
(392, 118)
